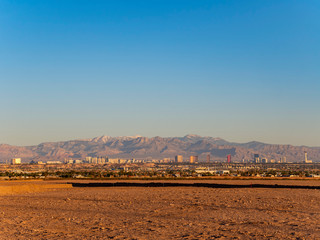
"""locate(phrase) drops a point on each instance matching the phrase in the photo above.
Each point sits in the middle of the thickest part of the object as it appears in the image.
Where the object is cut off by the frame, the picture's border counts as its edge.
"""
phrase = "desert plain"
(56, 210)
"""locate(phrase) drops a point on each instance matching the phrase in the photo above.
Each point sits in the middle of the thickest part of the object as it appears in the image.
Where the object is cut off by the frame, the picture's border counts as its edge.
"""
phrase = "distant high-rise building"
(193, 159)
(306, 158)
(16, 161)
(208, 158)
(256, 158)
(94, 160)
(178, 158)
(101, 160)
(283, 160)
(68, 161)
(229, 158)
(264, 160)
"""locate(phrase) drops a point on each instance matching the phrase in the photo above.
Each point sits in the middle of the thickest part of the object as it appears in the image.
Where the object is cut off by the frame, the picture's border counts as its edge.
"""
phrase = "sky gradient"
(239, 70)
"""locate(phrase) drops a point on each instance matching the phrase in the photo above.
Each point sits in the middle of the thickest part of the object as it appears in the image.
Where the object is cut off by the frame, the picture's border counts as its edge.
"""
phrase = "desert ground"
(34, 210)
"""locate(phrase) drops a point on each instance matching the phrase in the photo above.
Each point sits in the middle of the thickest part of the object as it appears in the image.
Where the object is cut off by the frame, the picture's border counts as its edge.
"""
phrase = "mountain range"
(157, 148)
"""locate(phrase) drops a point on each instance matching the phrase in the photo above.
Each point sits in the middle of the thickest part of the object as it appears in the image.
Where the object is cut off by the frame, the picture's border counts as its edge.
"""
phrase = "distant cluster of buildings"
(192, 159)
(102, 160)
(257, 159)
(178, 159)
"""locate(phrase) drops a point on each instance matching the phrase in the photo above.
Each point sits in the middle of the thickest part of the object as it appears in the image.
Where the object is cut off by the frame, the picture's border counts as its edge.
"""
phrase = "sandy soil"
(161, 213)
(29, 188)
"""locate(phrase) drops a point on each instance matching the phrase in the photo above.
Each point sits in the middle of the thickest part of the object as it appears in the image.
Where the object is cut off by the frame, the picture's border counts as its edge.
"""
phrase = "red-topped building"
(229, 158)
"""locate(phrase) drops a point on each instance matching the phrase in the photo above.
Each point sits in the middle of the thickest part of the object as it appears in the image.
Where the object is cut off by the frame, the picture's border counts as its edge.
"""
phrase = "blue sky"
(239, 70)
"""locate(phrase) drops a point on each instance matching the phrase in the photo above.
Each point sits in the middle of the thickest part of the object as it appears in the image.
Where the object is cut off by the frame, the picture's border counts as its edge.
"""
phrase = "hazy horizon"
(240, 70)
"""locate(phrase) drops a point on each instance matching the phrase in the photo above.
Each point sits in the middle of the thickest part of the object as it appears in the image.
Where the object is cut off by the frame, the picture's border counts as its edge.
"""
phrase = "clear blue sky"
(239, 70)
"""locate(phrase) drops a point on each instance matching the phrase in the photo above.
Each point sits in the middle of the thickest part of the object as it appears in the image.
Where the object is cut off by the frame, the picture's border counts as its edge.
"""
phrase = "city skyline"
(242, 71)
(190, 148)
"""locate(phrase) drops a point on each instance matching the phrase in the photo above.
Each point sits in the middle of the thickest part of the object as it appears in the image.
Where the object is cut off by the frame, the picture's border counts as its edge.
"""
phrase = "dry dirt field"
(160, 213)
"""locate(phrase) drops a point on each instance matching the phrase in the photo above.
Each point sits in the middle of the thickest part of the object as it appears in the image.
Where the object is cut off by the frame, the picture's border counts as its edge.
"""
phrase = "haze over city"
(239, 70)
